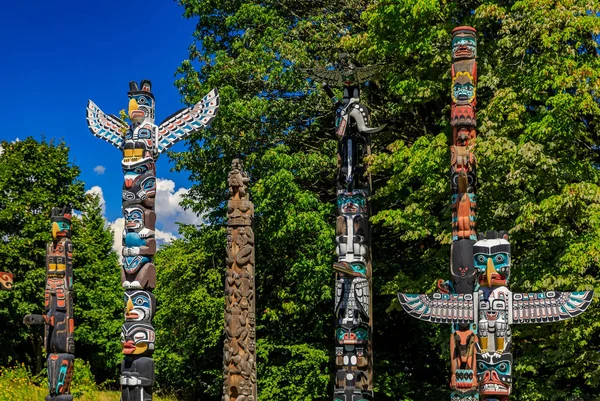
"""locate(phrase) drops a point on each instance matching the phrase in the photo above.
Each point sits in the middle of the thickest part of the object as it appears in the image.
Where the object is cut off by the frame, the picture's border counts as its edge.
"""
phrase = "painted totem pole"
(239, 349)
(141, 143)
(6, 281)
(58, 319)
(353, 293)
(476, 302)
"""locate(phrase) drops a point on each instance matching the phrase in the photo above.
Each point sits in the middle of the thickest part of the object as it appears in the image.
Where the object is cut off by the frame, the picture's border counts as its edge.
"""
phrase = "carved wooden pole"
(239, 349)
(463, 379)
(476, 302)
(353, 285)
(6, 281)
(59, 341)
(141, 144)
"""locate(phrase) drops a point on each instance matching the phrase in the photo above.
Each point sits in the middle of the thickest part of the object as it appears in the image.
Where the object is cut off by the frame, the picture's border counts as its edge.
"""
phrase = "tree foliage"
(34, 178)
(538, 168)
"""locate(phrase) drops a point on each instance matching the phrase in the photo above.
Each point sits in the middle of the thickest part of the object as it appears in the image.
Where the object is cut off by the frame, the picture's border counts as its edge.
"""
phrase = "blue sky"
(57, 55)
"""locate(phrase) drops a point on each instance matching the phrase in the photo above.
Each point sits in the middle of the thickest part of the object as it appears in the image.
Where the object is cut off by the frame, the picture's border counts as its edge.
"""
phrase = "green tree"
(98, 296)
(34, 177)
(537, 152)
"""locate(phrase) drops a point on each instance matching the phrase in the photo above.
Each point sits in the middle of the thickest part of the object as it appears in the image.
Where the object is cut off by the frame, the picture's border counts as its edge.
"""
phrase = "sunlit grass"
(17, 384)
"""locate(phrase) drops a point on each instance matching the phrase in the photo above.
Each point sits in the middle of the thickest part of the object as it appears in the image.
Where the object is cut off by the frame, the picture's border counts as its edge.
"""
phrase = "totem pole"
(353, 289)
(6, 281)
(239, 349)
(141, 144)
(476, 301)
(58, 319)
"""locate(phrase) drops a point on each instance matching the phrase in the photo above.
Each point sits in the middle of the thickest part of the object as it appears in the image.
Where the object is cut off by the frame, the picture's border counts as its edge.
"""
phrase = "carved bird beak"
(490, 271)
(133, 106)
(55, 230)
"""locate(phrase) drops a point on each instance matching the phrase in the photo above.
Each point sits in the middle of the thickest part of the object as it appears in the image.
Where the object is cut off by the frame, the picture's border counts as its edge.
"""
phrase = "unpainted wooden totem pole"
(239, 348)
(353, 285)
(477, 302)
(58, 319)
(141, 143)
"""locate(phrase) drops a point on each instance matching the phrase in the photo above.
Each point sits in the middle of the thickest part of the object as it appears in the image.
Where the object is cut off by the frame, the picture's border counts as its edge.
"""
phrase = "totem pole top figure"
(144, 139)
(347, 75)
(464, 43)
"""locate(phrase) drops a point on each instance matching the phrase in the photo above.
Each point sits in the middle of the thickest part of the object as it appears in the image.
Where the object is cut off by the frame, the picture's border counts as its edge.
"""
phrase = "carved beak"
(55, 230)
(490, 271)
(134, 110)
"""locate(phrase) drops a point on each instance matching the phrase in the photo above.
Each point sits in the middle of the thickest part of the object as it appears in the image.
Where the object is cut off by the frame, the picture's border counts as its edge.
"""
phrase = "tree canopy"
(538, 156)
(36, 176)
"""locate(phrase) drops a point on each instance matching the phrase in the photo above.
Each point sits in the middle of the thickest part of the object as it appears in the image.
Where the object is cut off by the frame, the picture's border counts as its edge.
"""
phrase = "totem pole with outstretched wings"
(141, 143)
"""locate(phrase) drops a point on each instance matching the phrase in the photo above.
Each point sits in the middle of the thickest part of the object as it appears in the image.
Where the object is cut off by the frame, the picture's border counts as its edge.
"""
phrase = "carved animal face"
(495, 373)
(61, 222)
(139, 306)
(141, 106)
(133, 171)
(492, 261)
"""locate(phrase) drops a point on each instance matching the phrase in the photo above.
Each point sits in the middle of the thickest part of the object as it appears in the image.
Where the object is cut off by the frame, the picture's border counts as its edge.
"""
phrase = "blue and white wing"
(188, 120)
(550, 306)
(440, 308)
(105, 126)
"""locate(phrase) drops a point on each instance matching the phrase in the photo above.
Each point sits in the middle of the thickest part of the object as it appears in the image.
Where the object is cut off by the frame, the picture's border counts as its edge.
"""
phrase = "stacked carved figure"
(239, 348)
(58, 305)
(353, 295)
(477, 302)
(141, 144)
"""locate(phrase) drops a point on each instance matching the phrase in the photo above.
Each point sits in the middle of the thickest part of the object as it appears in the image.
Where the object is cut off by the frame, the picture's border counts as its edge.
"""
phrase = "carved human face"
(139, 306)
(134, 218)
(239, 212)
(137, 338)
(463, 88)
(359, 335)
(464, 43)
(352, 202)
(492, 261)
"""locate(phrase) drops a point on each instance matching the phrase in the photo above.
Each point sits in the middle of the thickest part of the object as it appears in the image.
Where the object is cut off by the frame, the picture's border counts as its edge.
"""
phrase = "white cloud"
(117, 229)
(168, 212)
(99, 170)
(96, 190)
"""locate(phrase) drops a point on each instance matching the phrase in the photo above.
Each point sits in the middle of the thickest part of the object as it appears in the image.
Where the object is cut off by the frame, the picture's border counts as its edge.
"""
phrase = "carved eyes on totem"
(502, 368)
(150, 184)
(143, 133)
(140, 169)
(498, 305)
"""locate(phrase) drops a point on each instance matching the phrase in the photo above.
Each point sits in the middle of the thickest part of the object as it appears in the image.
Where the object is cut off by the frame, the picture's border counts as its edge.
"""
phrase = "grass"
(17, 384)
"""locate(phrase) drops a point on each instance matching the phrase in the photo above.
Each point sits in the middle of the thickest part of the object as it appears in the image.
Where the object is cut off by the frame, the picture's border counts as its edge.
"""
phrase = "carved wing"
(105, 126)
(440, 308)
(363, 74)
(331, 77)
(550, 306)
(188, 120)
